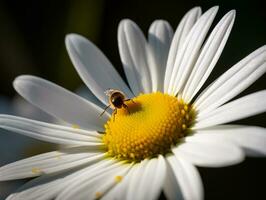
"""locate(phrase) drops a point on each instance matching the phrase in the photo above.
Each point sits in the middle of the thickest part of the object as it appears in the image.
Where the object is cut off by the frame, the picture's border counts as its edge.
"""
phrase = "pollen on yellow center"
(149, 126)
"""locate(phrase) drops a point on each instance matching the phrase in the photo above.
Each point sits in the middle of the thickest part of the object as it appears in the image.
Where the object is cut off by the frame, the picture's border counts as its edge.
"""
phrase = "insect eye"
(117, 101)
(114, 99)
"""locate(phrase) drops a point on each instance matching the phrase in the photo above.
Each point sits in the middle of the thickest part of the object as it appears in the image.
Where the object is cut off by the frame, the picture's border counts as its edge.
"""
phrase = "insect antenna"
(105, 110)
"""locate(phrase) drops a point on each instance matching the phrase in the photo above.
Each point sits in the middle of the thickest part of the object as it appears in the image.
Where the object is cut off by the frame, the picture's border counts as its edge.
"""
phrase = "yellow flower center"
(149, 126)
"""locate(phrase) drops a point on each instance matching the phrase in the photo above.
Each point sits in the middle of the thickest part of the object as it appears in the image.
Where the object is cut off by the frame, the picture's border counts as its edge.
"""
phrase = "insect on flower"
(116, 100)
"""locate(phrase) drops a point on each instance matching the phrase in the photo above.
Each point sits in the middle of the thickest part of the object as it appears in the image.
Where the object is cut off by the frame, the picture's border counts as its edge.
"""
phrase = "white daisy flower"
(154, 140)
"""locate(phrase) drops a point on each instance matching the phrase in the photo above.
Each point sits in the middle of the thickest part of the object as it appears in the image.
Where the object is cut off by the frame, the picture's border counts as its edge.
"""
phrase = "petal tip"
(196, 9)
(68, 37)
(213, 9)
(125, 22)
(18, 79)
(232, 13)
(72, 37)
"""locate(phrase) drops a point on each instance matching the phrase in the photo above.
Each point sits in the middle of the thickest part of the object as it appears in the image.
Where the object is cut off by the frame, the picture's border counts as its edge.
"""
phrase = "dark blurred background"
(32, 42)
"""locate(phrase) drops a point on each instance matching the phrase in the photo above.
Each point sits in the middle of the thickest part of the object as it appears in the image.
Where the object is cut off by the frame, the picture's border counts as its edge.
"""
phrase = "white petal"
(233, 81)
(160, 38)
(50, 132)
(51, 162)
(120, 190)
(89, 184)
(238, 109)
(149, 184)
(181, 33)
(45, 187)
(23, 108)
(207, 151)
(171, 187)
(60, 102)
(186, 57)
(133, 52)
(182, 176)
(48, 186)
(112, 180)
(209, 56)
(137, 173)
(251, 138)
(94, 68)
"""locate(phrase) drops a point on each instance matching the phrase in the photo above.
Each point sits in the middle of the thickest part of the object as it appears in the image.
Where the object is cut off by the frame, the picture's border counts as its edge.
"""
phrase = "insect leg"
(130, 100)
(115, 111)
(126, 107)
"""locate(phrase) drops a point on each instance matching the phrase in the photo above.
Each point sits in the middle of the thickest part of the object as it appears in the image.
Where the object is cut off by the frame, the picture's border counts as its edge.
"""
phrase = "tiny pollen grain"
(151, 125)
(58, 157)
(98, 195)
(36, 170)
(118, 179)
(75, 126)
